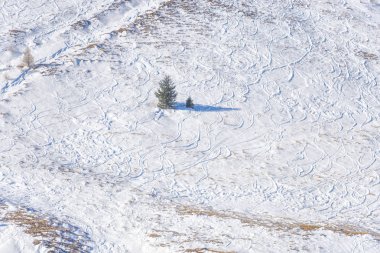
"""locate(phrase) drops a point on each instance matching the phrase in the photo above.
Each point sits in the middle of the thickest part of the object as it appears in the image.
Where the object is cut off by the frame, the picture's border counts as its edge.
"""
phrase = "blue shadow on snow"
(203, 108)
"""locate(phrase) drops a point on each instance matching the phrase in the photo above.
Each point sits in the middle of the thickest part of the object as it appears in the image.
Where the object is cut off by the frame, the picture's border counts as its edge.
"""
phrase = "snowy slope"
(280, 154)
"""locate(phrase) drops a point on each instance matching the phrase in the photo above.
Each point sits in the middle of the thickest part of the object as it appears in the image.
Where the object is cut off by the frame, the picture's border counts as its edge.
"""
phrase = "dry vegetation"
(51, 233)
(366, 55)
(281, 225)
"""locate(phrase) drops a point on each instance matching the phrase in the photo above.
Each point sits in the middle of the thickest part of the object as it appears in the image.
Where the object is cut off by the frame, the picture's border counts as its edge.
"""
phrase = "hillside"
(281, 152)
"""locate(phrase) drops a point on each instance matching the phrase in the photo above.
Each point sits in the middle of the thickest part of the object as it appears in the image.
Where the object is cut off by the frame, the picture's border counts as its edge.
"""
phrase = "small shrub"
(27, 60)
(189, 103)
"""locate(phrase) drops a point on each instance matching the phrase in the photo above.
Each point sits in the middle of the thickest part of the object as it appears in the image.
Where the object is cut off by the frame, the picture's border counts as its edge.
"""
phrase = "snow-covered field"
(280, 154)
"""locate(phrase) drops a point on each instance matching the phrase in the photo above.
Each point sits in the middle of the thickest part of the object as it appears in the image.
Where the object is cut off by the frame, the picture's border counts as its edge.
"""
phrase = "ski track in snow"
(285, 126)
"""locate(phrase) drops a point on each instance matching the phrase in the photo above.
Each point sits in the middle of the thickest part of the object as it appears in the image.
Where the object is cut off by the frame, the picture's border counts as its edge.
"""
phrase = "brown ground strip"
(282, 225)
(51, 233)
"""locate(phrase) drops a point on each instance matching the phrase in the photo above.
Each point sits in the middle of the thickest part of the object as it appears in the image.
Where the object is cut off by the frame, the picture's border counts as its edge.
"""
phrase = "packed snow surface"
(281, 152)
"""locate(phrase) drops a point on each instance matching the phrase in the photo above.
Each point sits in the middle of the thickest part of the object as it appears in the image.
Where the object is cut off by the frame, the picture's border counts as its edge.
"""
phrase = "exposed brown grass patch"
(16, 33)
(281, 225)
(366, 55)
(33, 225)
(81, 24)
(309, 227)
(54, 235)
(153, 235)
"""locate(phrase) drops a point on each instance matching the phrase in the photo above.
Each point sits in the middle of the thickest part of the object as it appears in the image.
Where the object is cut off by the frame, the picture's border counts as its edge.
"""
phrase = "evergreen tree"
(166, 94)
(189, 103)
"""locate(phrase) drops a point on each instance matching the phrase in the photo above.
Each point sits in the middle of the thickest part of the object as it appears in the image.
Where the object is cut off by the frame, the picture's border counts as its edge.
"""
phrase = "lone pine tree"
(166, 94)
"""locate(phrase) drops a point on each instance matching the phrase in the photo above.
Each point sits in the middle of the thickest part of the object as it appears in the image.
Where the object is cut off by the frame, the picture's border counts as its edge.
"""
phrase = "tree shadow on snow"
(203, 108)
